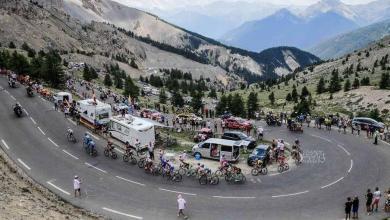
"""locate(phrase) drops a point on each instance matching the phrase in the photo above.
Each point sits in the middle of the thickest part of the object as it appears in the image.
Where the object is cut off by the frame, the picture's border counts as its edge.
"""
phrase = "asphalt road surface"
(335, 166)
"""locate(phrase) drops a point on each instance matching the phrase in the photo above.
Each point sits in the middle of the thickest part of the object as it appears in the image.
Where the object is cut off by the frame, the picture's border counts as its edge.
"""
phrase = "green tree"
(321, 86)
(222, 105)
(133, 64)
(196, 102)
(107, 80)
(36, 65)
(356, 83)
(385, 81)
(294, 94)
(334, 85)
(52, 70)
(176, 99)
(118, 81)
(288, 97)
(237, 104)
(302, 108)
(252, 104)
(87, 74)
(162, 96)
(19, 63)
(130, 89)
(271, 97)
(11, 45)
(347, 85)
(305, 92)
(212, 93)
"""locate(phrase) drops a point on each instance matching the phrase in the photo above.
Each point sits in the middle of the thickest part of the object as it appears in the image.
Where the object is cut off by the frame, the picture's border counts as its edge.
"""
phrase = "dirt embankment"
(22, 198)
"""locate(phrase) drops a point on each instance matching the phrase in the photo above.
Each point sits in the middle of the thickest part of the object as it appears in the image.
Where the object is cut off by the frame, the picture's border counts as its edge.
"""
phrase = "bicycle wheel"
(114, 155)
(203, 180)
(182, 171)
(177, 177)
(133, 161)
(214, 180)
(125, 158)
(141, 163)
(255, 172)
(218, 172)
(280, 168)
(228, 177)
(286, 166)
(94, 153)
(264, 171)
(106, 153)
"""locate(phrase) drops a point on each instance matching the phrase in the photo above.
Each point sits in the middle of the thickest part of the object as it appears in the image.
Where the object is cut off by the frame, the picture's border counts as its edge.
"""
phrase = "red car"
(238, 123)
(146, 113)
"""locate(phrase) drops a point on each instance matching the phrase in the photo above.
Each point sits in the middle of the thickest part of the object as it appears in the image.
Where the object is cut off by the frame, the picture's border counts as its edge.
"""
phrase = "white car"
(120, 107)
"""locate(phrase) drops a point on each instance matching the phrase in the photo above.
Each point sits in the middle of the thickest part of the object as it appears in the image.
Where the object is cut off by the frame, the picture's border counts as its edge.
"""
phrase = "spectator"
(376, 134)
(377, 196)
(181, 203)
(369, 197)
(76, 186)
(348, 207)
(387, 203)
(151, 150)
(355, 208)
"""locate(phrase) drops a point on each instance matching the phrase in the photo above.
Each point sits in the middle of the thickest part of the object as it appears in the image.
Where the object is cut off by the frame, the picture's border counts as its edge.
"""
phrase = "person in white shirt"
(76, 186)
(377, 197)
(181, 204)
(259, 132)
(281, 147)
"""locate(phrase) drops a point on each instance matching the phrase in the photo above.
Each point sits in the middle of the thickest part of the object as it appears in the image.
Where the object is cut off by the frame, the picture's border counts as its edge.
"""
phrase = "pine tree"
(11, 45)
(271, 97)
(176, 99)
(294, 94)
(356, 83)
(347, 85)
(321, 86)
(118, 82)
(385, 81)
(130, 89)
(252, 104)
(288, 97)
(196, 102)
(162, 96)
(237, 104)
(334, 85)
(52, 70)
(222, 105)
(133, 64)
(107, 80)
(212, 93)
(305, 92)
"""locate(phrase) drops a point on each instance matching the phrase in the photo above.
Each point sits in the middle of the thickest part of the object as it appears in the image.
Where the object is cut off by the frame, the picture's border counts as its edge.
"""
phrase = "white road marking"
(90, 165)
(350, 168)
(234, 197)
(332, 183)
(292, 194)
(121, 213)
(12, 97)
(71, 121)
(6, 91)
(43, 99)
(25, 111)
(54, 143)
(345, 150)
(58, 188)
(167, 190)
(5, 144)
(259, 180)
(384, 142)
(41, 130)
(325, 139)
(141, 184)
(24, 164)
(274, 174)
(70, 154)
(33, 121)
(97, 138)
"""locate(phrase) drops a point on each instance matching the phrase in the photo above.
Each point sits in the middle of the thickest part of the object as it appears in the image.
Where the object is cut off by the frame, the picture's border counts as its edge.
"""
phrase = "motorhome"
(94, 111)
(214, 148)
(130, 128)
(62, 97)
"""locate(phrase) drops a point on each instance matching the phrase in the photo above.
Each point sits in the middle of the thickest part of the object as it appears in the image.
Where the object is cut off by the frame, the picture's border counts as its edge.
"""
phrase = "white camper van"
(94, 111)
(130, 128)
(60, 97)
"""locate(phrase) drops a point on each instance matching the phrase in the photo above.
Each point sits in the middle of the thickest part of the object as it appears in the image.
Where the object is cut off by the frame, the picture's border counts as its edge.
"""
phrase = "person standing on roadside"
(355, 208)
(151, 150)
(348, 208)
(76, 186)
(369, 197)
(55, 106)
(181, 204)
(377, 197)
(376, 134)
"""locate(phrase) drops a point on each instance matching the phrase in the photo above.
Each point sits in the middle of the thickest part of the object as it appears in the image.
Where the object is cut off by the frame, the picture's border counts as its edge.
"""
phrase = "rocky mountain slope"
(152, 28)
(348, 42)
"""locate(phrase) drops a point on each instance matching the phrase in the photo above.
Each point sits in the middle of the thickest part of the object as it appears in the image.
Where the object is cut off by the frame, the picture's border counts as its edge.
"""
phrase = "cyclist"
(69, 132)
(110, 147)
(185, 164)
(223, 162)
(91, 146)
(128, 148)
(87, 139)
(148, 164)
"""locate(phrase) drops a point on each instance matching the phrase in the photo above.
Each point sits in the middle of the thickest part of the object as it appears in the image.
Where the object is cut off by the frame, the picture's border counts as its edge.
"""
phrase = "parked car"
(120, 106)
(189, 117)
(249, 142)
(203, 134)
(366, 122)
(259, 153)
(237, 123)
(146, 113)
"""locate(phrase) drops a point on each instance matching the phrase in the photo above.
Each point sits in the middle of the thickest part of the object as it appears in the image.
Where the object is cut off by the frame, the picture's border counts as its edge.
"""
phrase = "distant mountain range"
(354, 40)
(305, 29)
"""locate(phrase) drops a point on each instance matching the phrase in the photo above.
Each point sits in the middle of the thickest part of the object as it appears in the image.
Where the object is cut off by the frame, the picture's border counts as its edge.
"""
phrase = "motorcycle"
(18, 111)
(12, 83)
(90, 148)
(30, 92)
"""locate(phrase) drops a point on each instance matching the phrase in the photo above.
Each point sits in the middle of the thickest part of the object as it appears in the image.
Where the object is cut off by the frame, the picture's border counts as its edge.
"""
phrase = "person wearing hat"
(181, 204)
(76, 186)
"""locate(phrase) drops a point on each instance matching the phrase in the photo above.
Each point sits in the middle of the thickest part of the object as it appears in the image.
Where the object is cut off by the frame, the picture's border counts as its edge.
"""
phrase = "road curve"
(315, 190)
